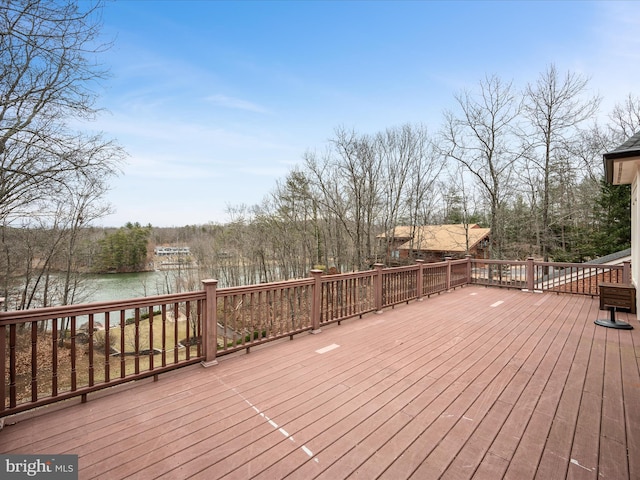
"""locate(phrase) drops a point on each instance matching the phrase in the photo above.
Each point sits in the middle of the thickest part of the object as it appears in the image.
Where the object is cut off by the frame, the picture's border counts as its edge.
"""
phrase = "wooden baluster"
(34, 361)
(54, 357)
(176, 334)
(123, 358)
(151, 353)
(107, 348)
(163, 314)
(91, 364)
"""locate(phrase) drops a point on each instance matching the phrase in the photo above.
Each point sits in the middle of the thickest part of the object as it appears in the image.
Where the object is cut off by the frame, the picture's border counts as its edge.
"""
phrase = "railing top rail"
(47, 313)
(347, 275)
(265, 286)
(456, 262)
(405, 268)
(500, 262)
(579, 265)
(435, 264)
(444, 263)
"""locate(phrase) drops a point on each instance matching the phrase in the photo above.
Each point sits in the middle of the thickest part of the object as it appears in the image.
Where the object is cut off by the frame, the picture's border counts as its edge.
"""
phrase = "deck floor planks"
(390, 384)
(289, 393)
(526, 458)
(247, 407)
(324, 454)
(171, 438)
(630, 356)
(272, 471)
(343, 423)
(87, 416)
(537, 371)
(613, 461)
(467, 421)
(79, 440)
(528, 362)
(557, 452)
(455, 441)
(468, 458)
(366, 381)
(208, 443)
(141, 430)
(451, 382)
(445, 416)
(584, 453)
(370, 423)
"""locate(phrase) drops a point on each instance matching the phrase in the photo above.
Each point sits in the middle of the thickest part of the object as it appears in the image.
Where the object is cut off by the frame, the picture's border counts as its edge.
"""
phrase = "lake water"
(119, 286)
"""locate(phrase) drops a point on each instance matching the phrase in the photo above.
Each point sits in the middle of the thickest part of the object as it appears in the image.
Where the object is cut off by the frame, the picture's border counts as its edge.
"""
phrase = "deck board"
(479, 383)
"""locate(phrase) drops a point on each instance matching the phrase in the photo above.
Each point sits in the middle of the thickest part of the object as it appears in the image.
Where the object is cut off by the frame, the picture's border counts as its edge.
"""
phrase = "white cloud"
(172, 167)
(265, 171)
(235, 103)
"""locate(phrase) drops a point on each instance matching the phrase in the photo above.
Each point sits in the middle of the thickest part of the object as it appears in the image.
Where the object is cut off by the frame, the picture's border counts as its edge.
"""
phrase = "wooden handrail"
(219, 321)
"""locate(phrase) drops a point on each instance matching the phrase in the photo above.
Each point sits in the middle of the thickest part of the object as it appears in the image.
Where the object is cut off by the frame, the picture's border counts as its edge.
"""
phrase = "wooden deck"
(480, 383)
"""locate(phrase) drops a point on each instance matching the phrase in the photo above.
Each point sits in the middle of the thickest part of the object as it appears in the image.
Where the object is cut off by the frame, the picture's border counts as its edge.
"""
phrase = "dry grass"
(146, 341)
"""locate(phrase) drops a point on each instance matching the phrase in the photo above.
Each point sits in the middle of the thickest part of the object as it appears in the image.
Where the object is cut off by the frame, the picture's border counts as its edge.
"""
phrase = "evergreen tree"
(124, 250)
(614, 233)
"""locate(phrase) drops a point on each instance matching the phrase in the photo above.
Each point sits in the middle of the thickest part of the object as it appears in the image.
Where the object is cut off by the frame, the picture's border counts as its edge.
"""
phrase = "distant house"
(433, 243)
(170, 251)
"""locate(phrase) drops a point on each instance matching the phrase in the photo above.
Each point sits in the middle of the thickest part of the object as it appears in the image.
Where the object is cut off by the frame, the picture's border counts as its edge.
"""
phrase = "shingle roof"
(629, 151)
(401, 231)
(440, 238)
(612, 257)
(631, 146)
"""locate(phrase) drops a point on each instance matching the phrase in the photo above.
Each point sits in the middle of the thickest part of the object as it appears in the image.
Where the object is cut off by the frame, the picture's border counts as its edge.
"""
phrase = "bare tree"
(587, 151)
(348, 180)
(555, 108)
(289, 222)
(409, 169)
(626, 119)
(483, 138)
(48, 63)
(360, 168)
(50, 175)
(364, 185)
(460, 201)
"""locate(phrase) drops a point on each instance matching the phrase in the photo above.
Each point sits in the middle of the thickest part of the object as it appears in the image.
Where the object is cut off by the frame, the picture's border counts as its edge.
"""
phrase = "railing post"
(210, 324)
(420, 263)
(626, 271)
(531, 274)
(377, 282)
(468, 273)
(448, 260)
(316, 300)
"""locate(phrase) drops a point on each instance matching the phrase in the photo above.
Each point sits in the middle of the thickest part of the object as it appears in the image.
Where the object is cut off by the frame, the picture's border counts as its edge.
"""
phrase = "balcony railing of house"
(52, 354)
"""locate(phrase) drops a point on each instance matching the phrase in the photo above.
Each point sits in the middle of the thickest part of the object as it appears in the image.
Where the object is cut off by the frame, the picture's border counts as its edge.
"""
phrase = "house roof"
(440, 238)
(620, 164)
(613, 258)
(399, 232)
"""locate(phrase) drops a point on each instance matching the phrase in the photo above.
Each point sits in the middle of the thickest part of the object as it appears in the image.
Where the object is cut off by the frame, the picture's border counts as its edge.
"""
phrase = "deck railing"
(574, 278)
(55, 353)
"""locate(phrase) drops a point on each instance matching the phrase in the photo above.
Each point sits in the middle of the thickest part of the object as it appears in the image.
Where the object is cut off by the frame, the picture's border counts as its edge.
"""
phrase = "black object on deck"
(612, 297)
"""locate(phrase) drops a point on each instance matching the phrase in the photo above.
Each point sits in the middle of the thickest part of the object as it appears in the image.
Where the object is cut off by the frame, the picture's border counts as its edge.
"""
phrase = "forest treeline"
(524, 160)
(542, 195)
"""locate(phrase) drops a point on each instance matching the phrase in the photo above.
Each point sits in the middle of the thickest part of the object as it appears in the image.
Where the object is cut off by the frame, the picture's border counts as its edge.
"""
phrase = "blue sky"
(215, 101)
